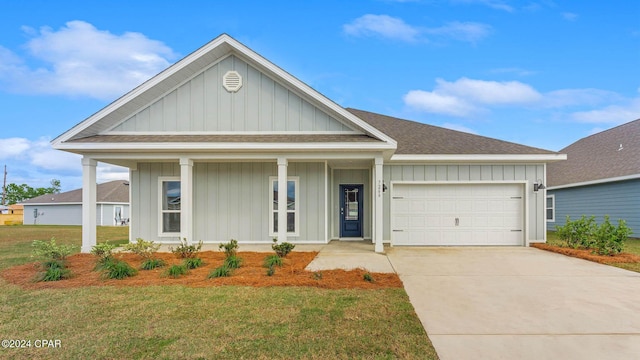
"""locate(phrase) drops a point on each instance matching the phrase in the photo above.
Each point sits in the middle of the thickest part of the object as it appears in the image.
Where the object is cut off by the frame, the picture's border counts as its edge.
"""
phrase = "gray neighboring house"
(226, 145)
(600, 177)
(112, 206)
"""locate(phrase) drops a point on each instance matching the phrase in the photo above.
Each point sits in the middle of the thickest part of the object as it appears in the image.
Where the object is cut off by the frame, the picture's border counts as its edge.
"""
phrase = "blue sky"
(539, 72)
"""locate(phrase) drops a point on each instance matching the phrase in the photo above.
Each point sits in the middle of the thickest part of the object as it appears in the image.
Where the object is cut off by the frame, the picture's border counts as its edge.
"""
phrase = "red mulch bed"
(589, 255)
(251, 273)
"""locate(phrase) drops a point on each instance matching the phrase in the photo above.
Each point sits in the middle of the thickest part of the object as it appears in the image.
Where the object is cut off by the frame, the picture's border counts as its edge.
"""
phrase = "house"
(111, 206)
(226, 145)
(11, 215)
(600, 177)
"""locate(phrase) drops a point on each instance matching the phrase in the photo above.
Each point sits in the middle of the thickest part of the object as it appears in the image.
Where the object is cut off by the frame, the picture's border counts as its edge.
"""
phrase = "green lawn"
(632, 246)
(168, 322)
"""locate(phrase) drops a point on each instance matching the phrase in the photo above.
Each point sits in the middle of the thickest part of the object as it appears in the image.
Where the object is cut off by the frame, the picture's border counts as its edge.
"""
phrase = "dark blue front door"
(351, 210)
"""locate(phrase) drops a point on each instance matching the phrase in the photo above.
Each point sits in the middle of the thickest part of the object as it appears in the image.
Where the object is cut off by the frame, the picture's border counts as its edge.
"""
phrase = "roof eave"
(479, 158)
(221, 146)
(595, 182)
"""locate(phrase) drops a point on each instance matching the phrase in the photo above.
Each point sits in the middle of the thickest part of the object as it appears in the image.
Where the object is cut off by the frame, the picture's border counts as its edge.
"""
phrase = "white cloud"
(393, 28)
(613, 114)
(463, 31)
(106, 172)
(382, 25)
(42, 155)
(513, 70)
(489, 92)
(80, 60)
(12, 147)
(577, 97)
(434, 102)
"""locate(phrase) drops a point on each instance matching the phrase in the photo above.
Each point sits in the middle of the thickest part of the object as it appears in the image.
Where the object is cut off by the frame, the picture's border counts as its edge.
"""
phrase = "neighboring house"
(600, 177)
(11, 215)
(111, 206)
(226, 145)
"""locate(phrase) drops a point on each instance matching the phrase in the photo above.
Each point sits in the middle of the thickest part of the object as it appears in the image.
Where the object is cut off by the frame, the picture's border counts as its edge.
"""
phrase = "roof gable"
(174, 100)
(610, 154)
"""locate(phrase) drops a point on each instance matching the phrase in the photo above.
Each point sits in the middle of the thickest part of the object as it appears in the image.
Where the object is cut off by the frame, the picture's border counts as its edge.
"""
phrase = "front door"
(351, 211)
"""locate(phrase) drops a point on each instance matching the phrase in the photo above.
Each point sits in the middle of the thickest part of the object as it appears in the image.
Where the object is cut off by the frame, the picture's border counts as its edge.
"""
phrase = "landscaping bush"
(192, 263)
(104, 252)
(230, 248)
(222, 271)
(283, 249)
(185, 250)
(52, 258)
(146, 250)
(609, 239)
(176, 271)
(272, 260)
(579, 233)
(118, 269)
(233, 262)
(367, 277)
(151, 264)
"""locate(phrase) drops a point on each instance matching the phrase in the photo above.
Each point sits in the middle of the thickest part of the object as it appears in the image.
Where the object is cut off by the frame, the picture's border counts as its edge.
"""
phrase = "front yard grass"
(222, 322)
(631, 246)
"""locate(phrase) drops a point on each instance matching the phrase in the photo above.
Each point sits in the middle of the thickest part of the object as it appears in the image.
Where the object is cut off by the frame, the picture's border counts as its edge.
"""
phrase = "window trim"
(296, 211)
(553, 207)
(161, 233)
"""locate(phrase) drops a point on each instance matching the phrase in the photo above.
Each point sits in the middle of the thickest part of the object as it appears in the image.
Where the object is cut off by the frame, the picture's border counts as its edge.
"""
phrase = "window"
(170, 206)
(293, 208)
(551, 208)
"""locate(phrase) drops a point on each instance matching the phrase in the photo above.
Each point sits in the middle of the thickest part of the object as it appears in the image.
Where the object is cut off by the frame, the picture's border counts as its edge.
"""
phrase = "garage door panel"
(487, 214)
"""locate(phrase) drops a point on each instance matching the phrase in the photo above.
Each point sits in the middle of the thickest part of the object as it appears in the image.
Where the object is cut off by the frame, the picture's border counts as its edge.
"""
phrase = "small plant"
(145, 249)
(118, 269)
(50, 250)
(104, 252)
(54, 273)
(271, 270)
(578, 233)
(283, 249)
(185, 251)
(192, 263)
(609, 239)
(151, 264)
(230, 248)
(176, 271)
(233, 262)
(222, 271)
(367, 277)
(317, 275)
(272, 260)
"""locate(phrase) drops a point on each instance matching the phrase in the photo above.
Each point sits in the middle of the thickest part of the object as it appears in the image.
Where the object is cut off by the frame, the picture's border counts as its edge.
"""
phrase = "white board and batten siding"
(231, 200)
(202, 105)
(487, 200)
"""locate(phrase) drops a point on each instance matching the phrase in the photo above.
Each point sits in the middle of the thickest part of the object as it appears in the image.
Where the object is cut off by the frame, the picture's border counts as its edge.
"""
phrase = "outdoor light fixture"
(384, 187)
(538, 185)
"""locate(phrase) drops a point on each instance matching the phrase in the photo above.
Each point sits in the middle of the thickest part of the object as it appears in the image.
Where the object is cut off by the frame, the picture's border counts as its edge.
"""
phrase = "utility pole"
(4, 185)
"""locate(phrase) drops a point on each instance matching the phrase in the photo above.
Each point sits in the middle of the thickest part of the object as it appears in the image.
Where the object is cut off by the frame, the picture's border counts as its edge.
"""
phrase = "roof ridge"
(600, 133)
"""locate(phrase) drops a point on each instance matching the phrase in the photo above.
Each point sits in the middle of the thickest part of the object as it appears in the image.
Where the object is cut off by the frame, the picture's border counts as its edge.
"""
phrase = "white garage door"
(457, 214)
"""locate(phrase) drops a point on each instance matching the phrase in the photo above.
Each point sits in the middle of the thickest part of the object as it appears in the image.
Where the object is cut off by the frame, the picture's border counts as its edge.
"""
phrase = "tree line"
(14, 193)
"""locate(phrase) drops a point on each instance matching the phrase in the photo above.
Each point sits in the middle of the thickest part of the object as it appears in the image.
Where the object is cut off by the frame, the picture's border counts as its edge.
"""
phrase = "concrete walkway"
(350, 255)
(521, 303)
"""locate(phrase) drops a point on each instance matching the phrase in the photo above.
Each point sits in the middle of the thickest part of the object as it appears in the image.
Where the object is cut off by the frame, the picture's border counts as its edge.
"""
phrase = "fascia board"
(217, 146)
(478, 158)
(595, 182)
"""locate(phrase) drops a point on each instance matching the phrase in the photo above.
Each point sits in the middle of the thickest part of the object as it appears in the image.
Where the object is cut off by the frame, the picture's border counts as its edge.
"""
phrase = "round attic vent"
(232, 81)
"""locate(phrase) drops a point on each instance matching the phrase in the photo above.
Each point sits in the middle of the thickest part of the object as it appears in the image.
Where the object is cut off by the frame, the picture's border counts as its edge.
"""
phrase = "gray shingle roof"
(112, 191)
(608, 154)
(419, 138)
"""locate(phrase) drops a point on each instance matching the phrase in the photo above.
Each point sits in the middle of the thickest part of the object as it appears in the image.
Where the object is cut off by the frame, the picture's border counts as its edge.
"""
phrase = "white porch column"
(89, 189)
(378, 210)
(186, 200)
(282, 199)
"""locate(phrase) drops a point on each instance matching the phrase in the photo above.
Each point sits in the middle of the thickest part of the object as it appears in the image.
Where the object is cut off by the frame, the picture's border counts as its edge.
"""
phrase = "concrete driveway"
(521, 303)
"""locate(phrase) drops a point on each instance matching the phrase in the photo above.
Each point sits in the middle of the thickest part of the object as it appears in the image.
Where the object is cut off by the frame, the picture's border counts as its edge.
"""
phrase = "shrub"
(272, 260)
(368, 277)
(222, 271)
(233, 262)
(185, 250)
(271, 270)
(145, 249)
(176, 271)
(104, 252)
(118, 269)
(317, 275)
(230, 248)
(50, 250)
(151, 264)
(578, 233)
(192, 263)
(609, 239)
(283, 249)
(54, 273)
